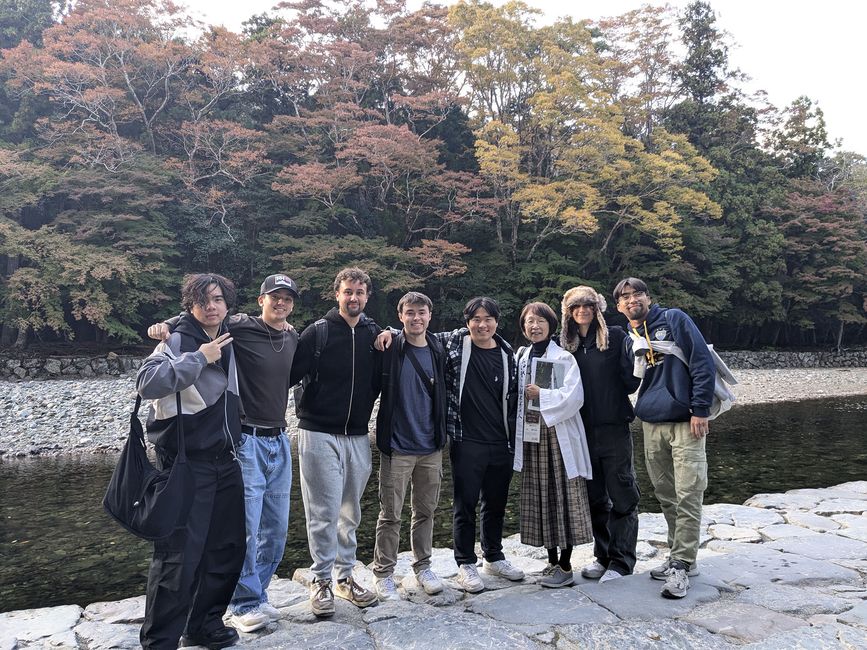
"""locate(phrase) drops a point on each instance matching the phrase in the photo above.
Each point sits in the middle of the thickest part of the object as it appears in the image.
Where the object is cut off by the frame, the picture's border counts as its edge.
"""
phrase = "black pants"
(613, 495)
(486, 471)
(194, 571)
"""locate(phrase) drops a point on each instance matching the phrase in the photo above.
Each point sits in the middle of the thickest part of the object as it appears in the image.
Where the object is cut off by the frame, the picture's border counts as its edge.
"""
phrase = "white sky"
(789, 47)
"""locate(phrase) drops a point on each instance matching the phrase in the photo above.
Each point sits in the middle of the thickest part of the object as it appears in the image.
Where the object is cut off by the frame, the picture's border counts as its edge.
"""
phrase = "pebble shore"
(56, 417)
(781, 571)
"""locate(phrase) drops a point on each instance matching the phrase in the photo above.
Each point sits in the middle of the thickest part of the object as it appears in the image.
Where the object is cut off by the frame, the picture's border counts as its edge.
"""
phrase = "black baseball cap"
(279, 281)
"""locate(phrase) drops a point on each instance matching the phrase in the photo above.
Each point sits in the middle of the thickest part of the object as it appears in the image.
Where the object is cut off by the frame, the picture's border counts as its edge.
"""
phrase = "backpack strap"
(321, 338)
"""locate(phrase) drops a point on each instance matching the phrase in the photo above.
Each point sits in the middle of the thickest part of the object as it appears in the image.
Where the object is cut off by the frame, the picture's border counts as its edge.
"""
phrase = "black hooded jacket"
(341, 399)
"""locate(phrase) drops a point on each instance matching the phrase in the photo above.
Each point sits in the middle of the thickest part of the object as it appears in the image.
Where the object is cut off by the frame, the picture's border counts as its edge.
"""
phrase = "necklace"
(270, 340)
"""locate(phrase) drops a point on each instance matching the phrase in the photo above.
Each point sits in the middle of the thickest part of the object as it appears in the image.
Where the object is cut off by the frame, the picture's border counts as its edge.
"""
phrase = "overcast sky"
(789, 48)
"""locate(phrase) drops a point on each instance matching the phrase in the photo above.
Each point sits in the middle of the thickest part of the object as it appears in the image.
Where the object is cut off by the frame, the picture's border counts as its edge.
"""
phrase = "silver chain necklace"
(271, 341)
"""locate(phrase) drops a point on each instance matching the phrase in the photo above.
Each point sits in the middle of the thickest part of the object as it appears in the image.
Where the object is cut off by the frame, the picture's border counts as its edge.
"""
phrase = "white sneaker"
(469, 579)
(609, 575)
(386, 589)
(249, 621)
(270, 611)
(429, 581)
(504, 569)
(593, 571)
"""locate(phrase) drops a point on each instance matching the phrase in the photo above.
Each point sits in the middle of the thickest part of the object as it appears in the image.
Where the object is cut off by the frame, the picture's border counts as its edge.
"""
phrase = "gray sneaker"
(661, 572)
(321, 598)
(557, 578)
(676, 583)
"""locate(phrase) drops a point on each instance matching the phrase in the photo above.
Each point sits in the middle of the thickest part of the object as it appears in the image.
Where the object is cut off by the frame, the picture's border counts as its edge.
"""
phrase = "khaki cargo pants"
(677, 466)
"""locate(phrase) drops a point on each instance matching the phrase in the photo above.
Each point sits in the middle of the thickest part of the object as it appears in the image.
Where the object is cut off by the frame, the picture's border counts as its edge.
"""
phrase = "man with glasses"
(673, 404)
(265, 348)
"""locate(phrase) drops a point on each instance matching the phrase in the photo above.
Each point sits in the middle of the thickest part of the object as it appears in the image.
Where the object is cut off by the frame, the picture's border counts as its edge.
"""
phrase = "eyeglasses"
(588, 306)
(626, 297)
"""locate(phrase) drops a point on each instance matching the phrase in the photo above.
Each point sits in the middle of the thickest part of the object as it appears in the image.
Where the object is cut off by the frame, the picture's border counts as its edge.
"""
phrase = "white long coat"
(560, 409)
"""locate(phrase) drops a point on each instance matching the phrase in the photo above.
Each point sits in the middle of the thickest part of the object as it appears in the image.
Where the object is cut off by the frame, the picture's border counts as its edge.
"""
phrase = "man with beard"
(333, 447)
(673, 404)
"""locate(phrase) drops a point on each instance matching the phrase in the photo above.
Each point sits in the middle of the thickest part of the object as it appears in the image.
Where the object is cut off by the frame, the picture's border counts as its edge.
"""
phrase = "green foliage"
(462, 151)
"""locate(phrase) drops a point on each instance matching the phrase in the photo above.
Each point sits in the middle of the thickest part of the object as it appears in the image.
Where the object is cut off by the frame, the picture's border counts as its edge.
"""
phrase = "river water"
(58, 547)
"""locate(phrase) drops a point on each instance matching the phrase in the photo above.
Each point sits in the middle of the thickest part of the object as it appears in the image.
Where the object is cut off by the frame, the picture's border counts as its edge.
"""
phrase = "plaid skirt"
(555, 511)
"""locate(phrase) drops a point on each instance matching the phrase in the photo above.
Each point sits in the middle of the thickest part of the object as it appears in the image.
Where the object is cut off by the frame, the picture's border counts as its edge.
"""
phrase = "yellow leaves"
(570, 203)
(498, 151)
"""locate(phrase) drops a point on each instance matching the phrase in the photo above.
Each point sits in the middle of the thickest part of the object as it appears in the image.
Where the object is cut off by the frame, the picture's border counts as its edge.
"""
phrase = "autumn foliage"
(460, 150)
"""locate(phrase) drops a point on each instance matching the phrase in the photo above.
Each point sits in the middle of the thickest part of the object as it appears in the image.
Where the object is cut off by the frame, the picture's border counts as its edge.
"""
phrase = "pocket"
(167, 570)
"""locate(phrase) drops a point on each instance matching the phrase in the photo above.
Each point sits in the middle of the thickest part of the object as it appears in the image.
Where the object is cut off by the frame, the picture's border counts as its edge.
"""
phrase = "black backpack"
(321, 338)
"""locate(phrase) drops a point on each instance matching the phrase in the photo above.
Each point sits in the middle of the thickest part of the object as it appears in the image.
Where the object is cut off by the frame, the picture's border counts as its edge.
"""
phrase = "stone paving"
(781, 571)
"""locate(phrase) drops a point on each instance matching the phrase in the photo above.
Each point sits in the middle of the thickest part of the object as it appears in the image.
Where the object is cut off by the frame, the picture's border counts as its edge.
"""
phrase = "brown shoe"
(321, 598)
(356, 594)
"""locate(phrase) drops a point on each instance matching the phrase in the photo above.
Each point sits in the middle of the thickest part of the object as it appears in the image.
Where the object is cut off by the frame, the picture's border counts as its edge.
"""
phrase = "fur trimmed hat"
(582, 295)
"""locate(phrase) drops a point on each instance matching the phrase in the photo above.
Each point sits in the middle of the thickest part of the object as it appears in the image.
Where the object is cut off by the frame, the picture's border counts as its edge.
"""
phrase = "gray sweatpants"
(334, 472)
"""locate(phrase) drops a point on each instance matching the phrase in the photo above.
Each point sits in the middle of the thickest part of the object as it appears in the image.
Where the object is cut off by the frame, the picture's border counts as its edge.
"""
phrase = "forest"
(459, 150)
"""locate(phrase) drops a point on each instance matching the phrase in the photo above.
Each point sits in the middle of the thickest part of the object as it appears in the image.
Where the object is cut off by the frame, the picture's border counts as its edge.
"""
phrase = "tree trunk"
(839, 345)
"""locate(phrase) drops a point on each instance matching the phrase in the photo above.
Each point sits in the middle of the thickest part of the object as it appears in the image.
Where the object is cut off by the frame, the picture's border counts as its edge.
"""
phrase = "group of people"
(557, 410)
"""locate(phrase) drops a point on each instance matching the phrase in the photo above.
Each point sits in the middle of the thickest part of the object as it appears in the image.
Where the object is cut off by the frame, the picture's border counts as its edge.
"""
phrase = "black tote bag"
(148, 502)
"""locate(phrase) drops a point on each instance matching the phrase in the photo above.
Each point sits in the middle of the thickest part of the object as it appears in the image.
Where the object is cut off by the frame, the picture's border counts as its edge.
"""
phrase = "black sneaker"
(221, 638)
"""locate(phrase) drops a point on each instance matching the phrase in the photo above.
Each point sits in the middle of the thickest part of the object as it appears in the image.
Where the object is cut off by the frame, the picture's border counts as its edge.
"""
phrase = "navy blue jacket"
(671, 392)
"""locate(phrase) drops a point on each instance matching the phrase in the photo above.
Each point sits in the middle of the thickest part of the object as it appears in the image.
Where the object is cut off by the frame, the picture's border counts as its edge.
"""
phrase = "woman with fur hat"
(606, 413)
(550, 448)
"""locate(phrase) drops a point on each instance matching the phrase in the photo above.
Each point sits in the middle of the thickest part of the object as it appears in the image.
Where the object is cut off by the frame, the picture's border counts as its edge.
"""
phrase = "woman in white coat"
(551, 447)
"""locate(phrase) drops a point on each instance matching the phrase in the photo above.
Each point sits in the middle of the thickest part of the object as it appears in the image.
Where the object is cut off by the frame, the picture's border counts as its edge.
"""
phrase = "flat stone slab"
(781, 531)
(652, 528)
(793, 600)
(742, 621)
(446, 630)
(651, 635)
(741, 516)
(539, 606)
(724, 531)
(283, 592)
(96, 635)
(822, 547)
(818, 637)
(785, 501)
(811, 520)
(33, 624)
(859, 487)
(645, 551)
(852, 526)
(324, 635)
(750, 565)
(856, 616)
(839, 506)
(637, 598)
(128, 610)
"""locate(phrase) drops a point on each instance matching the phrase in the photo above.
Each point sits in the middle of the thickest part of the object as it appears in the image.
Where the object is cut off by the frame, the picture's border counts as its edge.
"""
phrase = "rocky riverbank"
(57, 417)
(781, 571)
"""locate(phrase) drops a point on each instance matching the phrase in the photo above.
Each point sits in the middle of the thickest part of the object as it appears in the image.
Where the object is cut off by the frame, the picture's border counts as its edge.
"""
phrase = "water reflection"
(58, 547)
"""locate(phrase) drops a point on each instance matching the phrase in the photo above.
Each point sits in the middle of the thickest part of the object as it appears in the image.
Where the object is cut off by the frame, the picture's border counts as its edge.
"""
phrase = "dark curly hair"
(197, 285)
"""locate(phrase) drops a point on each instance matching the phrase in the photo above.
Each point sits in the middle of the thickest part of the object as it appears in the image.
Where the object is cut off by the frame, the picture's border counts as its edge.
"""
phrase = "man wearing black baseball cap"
(264, 350)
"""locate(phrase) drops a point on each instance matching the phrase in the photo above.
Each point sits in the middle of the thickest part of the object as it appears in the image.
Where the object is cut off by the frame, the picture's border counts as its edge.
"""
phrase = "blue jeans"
(266, 465)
